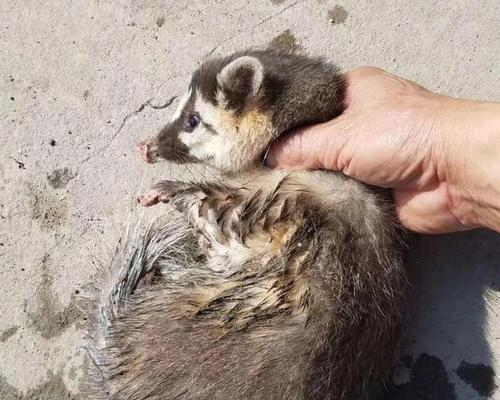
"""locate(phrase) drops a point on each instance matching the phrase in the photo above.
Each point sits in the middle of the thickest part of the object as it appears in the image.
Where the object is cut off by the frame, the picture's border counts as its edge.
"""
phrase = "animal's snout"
(145, 148)
(164, 146)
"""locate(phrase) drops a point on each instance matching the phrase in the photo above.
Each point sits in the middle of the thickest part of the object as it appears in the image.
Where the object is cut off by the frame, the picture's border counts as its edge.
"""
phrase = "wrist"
(472, 162)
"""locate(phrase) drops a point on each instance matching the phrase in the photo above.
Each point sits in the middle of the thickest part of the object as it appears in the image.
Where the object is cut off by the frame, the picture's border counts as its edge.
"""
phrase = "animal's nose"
(143, 148)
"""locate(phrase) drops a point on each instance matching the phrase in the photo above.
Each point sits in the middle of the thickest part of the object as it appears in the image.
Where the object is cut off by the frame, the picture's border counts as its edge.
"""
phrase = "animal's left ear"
(241, 78)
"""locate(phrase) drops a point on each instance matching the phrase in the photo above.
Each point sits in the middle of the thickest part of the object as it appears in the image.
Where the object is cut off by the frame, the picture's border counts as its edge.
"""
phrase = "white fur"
(229, 71)
(182, 104)
(234, 143)
(205, 145)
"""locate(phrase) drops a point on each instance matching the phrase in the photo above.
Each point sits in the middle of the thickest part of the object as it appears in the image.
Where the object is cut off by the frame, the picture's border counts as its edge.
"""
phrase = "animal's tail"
(146, 253)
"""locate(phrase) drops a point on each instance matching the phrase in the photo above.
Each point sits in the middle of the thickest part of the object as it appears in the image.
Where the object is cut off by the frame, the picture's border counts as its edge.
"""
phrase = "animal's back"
(297, 294)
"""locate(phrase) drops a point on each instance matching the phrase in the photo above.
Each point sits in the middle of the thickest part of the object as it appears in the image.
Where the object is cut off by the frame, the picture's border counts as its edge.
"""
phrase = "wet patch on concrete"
(59, 178)
(277, 1)
(337, 15)
(53, 388)
(47, 316)
(285, 42)
(428, 381)
(160, 21)
(479, 376)
(8, 333)
(49, 211)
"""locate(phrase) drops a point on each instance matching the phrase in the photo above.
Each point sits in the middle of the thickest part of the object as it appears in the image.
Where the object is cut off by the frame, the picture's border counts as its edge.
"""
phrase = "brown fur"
(279, 285)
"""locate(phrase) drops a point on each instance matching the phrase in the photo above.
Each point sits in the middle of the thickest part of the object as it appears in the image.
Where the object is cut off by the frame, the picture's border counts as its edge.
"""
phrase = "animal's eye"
(193, 121)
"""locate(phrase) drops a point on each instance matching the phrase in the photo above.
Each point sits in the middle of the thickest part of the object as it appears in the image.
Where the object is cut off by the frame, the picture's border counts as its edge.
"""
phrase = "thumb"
(313, 147)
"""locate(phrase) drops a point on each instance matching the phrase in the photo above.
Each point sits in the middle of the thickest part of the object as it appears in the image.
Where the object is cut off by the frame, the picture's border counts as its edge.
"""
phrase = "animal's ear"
(242, 77)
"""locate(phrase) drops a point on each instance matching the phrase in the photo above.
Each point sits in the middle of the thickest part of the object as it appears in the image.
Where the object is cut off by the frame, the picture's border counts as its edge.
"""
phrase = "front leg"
(163, 192)
(212, 209)
(238, 223)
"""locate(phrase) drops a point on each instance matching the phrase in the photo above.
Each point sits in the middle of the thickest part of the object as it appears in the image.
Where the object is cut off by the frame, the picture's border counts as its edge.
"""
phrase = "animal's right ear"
(241, 78)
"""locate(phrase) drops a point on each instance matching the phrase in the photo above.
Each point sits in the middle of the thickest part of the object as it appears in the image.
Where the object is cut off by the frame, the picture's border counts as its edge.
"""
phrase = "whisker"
(199, 171)
(186, 165)
(209, 170)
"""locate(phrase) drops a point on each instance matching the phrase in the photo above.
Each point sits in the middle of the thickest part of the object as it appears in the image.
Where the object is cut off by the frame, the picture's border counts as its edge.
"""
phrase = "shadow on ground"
(446, 355)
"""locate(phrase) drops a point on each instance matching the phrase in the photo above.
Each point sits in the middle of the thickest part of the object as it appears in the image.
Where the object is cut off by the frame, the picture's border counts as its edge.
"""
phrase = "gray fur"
(298, 90)
(287, 286)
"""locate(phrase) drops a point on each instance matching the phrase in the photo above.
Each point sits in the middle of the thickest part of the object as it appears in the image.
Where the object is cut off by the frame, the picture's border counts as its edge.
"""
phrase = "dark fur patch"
(169, 145)
(297, 90)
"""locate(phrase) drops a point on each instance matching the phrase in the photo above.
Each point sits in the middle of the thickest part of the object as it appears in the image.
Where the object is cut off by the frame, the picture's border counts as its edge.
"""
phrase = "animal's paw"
(161, 192)
(149, 150)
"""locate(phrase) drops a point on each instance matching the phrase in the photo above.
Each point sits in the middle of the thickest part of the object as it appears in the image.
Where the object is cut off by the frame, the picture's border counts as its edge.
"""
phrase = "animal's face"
(220, 121)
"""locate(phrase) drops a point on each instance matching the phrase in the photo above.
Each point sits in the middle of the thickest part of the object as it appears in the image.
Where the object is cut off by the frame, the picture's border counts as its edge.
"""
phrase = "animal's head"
(221, 120)
(235, 106)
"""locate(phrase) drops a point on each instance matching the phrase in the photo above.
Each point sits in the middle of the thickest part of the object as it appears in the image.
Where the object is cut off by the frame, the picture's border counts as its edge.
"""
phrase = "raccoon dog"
(265, 285)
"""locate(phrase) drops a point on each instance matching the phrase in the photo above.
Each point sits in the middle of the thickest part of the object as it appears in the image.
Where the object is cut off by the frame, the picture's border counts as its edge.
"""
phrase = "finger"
(318, 146)
(313, 147)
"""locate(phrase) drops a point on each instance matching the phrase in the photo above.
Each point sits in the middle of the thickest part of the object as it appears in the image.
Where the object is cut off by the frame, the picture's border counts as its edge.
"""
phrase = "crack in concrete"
(164, 105)
(134, 113)
(283, 10)
(124, 121)
(252, 28)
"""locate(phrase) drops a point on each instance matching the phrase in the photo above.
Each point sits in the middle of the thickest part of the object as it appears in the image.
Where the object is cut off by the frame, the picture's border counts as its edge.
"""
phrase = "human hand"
(396, 134)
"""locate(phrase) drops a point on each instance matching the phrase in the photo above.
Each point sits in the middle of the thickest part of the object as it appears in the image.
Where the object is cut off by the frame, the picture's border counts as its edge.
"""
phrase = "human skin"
(440, 155)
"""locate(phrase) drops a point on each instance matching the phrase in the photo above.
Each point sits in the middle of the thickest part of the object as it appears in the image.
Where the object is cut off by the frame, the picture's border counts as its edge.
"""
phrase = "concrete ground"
(80, 84)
